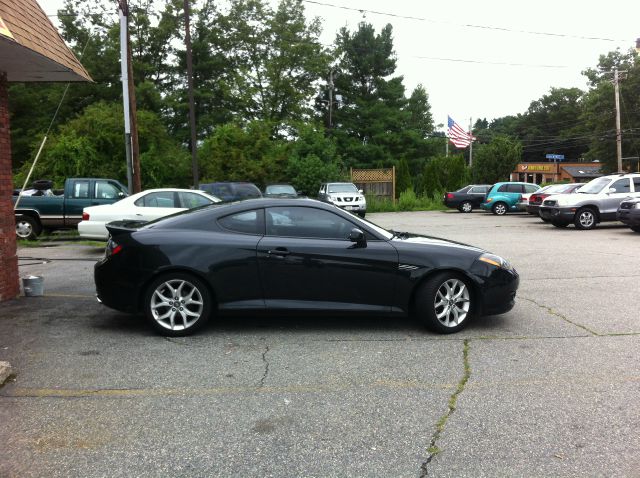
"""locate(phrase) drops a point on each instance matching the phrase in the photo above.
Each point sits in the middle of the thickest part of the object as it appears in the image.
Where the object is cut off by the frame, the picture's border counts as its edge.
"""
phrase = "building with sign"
(553, 172)
(31, 49)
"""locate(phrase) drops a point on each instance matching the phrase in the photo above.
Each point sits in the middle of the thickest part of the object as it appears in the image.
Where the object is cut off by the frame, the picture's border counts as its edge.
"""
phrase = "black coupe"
(294, 254)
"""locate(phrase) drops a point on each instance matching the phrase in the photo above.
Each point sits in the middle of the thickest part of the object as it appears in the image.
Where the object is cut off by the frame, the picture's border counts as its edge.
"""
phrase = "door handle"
(279, 252)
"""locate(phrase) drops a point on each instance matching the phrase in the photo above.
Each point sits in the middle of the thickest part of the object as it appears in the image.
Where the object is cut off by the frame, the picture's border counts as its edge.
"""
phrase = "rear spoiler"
(117, 228)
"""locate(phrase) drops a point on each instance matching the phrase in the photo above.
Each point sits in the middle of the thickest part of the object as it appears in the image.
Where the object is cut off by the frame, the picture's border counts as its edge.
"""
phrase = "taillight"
(449, 196)
(112, 248)
(85, 216)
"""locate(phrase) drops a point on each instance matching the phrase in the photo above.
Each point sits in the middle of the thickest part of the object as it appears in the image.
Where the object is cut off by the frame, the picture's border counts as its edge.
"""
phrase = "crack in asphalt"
(266, 366)
(453, 400)
(563, 317)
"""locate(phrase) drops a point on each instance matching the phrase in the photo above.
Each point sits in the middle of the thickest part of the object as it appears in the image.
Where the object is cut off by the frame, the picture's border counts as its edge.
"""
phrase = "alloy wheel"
(466, 207)
(452, 302)
(587, 219)
(176, 304)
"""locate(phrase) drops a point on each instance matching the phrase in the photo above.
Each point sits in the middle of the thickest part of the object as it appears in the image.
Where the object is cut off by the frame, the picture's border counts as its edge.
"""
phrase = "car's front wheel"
(560, 224)
(499, 209)
(635, 228)
(177, 304)
(443, 302)
(465, 206)
(585, 218)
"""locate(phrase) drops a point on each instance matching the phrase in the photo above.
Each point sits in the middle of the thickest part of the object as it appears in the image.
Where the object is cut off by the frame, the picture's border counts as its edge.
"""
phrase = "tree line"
(275, 104)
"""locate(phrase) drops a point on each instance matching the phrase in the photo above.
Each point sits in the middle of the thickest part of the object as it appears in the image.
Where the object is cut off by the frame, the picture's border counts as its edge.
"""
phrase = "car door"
(477, 194)
(306, 261)
(154, 205)
(611, 200)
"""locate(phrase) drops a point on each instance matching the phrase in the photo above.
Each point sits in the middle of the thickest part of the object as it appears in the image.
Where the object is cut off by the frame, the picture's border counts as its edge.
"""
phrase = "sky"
(474, 58)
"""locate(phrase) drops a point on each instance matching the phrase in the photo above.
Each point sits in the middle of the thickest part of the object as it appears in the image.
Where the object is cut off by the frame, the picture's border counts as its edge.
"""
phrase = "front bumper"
(351, 207)
(630, 217)
(499, 292)
(558, 214)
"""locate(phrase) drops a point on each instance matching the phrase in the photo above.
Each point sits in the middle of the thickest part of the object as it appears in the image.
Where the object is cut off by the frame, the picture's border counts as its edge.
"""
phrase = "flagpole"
(470, 145)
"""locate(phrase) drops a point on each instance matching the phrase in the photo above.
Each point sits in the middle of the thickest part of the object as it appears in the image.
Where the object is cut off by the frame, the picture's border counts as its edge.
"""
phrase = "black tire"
(436, 304)
(161, 307)
(27, 228)
(362, 214)
(560, 224)
(465, 206)
(635, 228)
(585, 219)
(500, 208)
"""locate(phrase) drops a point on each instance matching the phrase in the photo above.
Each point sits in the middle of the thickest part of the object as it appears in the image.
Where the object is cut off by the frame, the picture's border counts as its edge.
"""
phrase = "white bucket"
(33, 286)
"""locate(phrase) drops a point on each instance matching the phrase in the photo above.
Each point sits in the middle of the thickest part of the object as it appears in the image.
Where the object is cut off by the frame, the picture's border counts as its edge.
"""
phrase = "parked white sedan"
(143, 206)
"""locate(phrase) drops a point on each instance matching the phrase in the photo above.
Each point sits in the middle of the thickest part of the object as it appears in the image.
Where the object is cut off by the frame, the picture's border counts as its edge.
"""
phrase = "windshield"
(343, 188)
(594, 186)
(380, 230)
(280, 189)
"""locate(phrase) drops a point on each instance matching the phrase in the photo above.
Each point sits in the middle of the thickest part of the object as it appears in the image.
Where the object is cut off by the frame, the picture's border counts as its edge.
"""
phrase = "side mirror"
(121, 194)
(611, 190)
(356, 235)
(360, 191)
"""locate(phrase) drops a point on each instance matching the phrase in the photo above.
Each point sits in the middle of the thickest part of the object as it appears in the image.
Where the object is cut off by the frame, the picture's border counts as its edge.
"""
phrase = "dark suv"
(232, 191)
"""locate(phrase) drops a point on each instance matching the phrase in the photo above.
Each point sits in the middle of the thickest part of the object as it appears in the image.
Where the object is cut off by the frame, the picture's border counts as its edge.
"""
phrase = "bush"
(408, 201)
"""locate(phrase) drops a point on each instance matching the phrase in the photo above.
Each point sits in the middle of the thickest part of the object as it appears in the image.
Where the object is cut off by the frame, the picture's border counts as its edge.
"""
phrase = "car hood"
(409, 238)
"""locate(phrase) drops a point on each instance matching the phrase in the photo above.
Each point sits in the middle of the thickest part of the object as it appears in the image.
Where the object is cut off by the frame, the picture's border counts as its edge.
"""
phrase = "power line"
(465, 25)
(460, 60)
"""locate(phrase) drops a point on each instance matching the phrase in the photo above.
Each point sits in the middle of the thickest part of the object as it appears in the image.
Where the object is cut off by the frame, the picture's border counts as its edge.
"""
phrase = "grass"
(408, 201)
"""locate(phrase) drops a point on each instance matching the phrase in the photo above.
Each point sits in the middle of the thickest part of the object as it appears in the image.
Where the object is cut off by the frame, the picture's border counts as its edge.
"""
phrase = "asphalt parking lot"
(551, 388)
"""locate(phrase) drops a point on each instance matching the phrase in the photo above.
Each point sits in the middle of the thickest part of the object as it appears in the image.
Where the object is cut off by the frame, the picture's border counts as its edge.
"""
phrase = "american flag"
(459, 137)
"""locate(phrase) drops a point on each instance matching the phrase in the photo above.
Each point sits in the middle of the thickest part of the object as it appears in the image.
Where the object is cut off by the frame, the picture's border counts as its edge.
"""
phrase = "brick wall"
(9, 283)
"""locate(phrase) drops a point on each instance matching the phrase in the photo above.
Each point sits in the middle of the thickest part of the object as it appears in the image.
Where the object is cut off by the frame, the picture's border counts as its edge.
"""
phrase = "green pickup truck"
(47, 210)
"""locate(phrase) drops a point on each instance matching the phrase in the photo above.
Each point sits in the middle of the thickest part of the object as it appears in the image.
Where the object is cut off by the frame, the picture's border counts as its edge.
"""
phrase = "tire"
(499, 209)
(27, 228)
(465, 206)
(585, 219)
(635, 228)
(444, 302)
(362, 214)
(195, 304)
(559, 224)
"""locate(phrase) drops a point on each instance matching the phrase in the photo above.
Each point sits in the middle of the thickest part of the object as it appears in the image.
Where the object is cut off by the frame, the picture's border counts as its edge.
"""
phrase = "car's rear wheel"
(585, 218)
(465, 206)
(499, 209)
(177, 304)
(27, 228)
(443, 302)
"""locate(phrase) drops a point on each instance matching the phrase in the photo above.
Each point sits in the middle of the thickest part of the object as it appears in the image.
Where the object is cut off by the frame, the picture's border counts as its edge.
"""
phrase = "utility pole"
(192, 108)
(133, 111)
(616, 81)
(330, 98)
(124, 71)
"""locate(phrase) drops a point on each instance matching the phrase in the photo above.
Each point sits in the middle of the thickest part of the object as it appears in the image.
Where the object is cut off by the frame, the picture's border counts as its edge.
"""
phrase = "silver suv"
(344, 195)
(597, 201)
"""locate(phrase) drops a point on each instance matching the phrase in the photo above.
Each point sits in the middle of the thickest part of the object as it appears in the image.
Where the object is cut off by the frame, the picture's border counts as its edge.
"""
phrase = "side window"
(503, 188)
(622, 185)
(636, 184)
(106, 190)
(191, 200)
(530, 188)
(515, 188)
(157, 199)
(80, 190)
(306, 222)
(246, 222)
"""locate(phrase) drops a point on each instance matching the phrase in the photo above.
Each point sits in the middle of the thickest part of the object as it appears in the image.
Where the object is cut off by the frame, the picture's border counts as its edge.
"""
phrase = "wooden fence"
(376, 182)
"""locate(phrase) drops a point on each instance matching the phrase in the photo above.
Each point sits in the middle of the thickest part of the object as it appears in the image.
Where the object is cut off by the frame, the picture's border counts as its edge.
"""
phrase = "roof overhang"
(23, 64)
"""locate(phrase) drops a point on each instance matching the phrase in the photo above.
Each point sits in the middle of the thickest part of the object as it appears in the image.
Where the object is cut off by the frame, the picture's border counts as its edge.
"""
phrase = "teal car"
(504, 197)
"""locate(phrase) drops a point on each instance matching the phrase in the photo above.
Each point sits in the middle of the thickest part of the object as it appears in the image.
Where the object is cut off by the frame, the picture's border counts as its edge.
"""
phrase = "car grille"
(347, 199)
(550, 202)
(625, 205)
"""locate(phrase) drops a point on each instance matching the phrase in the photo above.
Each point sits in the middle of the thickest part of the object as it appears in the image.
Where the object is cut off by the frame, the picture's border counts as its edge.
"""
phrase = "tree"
(494, 161)
(443, 173)
(403, 177)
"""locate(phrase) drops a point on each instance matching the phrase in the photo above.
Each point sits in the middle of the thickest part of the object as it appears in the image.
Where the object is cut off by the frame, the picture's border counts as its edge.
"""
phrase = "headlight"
(495, 261)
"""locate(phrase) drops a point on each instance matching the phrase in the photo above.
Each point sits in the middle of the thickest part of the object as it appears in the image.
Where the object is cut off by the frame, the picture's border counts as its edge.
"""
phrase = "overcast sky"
(473, 58)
